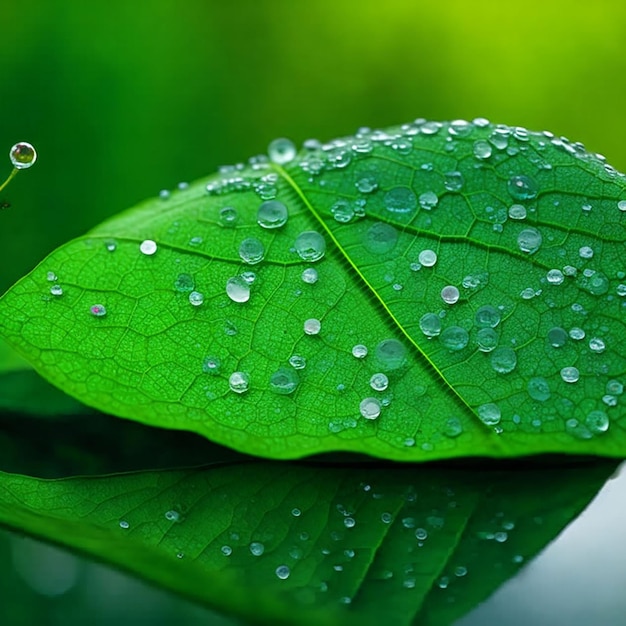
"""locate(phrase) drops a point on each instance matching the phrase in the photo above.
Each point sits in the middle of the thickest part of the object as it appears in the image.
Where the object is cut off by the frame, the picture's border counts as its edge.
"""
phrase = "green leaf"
(309, 545)
(482, 267)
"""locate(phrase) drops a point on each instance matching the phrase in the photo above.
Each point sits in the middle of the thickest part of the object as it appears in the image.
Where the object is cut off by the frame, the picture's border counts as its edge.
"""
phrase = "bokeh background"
(124, 98)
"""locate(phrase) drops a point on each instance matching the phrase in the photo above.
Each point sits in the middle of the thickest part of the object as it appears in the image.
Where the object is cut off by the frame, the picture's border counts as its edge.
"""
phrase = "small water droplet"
(310, 246)
(284, 381)
(239, 382)
(460, 571)
(428, 200)
(251, 251)
(51, 277)
(228, 217)
(517, 212)
(390, 354)
(489, 413)
(148, 247)
(538, 389)
(56, 290)
(522, 188)
(486, 339)
(430, 324)
(98, 310)
(257, 548)
(503, 360)
(297, 362)
(454, 338)
(450, 294)
(172, 516)
(555, 277)
(283, 571)
(570, 374)
(487, 317)
(211, 365)
(529, 240)
(237, 289)
(585, 252)
(597, 422)
(312, 326)
(226, 550)
(110, 245)
(577, 333)
(557, 337)
(453, 181)
(281, 151)
(401, 201)
(309, 275)
(621, 205)
(370, 408)
(597, 345)
(367, 184)
(272, 214)
(342, 211)
(453, 427)
(296, 513)
(196, 298)
(427, 258)
(482, 149)
(359, 351)
(614, 387)
(379, 382)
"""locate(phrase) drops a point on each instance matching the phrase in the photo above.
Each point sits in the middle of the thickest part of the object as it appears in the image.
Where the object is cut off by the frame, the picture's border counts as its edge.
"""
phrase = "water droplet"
(359, 351)
(297, 362)
(98, 310)
(615, 387)
(454, 338)
(110, 245)
(453, 427)
(164, 194)
(482, 149)
(257, 548)
(486, 339)
(284, 381)
(237, 289)
(450, 294)
(487, 317)
(574, 428)
(460, 571)
(401, 201)
(596, 283)
(427, 258)
(597, 422)
(272, 214)
(172, 516)
(228, 217)
(430, 324)
(124, 524)
(453, 181)
(184, 283)
(239, 382)
(296, 512)
(281, 151)
(312, 326)
(390, 354)
(555, 277)
(380, 238)
(522, 188)
(310, 246)
(283, 571)
(597, 345)
(23, 155)
(309, 275)
(538, 389)
(51, 277)
(557, 337)
(570, 374)
(195, 241)
(342, 211)
(529, 240)
(148, 247)
(56, 290)
(370, 408)
(428, 200)
(251, 251)
(367, 184)
(577, 333)
(379, 382)
(211, 365)
(503, 360)
(517, 212)
(585, 252)
(226, 550)
(621, 205)
(196, 298)
(349, 522)
(489, 413)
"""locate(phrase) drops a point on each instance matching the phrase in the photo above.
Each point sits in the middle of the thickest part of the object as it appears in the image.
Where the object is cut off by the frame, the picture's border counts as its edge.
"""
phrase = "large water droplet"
(284, 381)
(281, 151)
(401, 201)
(239, 382)
(430, 324)
(450, 294)
(503, 360)
(538, 389)
(522, 187)
(272, 214)
(427, 258)
(390, 354)
(196, 298)
(570, 374)
(148, 247)
(428, 200)
(597, 422)
(310, 246)
(283, 571)
(529, 240)
(370, 408)
(237, 289)
(453, 427)
(454, 338)
(23, 155)
(489, 413)
(486, 339)
(487, 317)
(379, 382)
(312, 326)
(251, 251)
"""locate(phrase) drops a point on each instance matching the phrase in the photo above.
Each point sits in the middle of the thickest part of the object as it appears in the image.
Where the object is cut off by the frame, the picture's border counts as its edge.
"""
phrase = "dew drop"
(110, 245)
(555, 277)
(585, 252)
(51, 277)
(184, 283)
(310, 246)
(557, 337)
(529, 240)
(427, 258)
(615, 387)
(272, 214)
(379, 382)
(486, 339)
(570, 374)
(390, 354)
(148, 247)
(283, 571)
(342, 211)
(487, 317)
(370, 408)
(621, 205)
(237, 289)
(196, 298)
(482, 149)
(56, 290)
(297, 362)
(312, 326)
(172, 516)
(430, 324)
(401, 201)
(577, 333)
(281, 151)
(597, 422)
(453, 181)
(380, 238)
(284, 381)
(428, 200)
(489, 413)
(98, 310)
(211, 365)
(228, 217)
(538, 389)
(522, 188)
(503, 360)
(367, 184)
(454, 338)
(226, 550)
(239, 382)
(124, 524)
(309, 275)
(349, 522)
(517, 212)
(359, 351)
(460, 571)
(23, 155)
(450, 294)
(597, 345)
(251, 251)
(453, 427)
(257, 548)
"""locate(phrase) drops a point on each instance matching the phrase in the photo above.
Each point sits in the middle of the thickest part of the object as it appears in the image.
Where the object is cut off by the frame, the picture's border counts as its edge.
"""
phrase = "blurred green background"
(123, 99)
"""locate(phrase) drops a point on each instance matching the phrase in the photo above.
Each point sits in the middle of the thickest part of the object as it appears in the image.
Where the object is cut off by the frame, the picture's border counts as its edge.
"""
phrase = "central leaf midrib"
(285, 175)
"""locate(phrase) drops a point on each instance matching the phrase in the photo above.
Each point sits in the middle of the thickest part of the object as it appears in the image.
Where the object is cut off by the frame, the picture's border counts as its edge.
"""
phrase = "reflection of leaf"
(278, 543)
(482, 266)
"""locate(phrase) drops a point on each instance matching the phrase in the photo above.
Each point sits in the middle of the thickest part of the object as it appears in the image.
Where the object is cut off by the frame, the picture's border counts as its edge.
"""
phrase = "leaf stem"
(9, 179)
